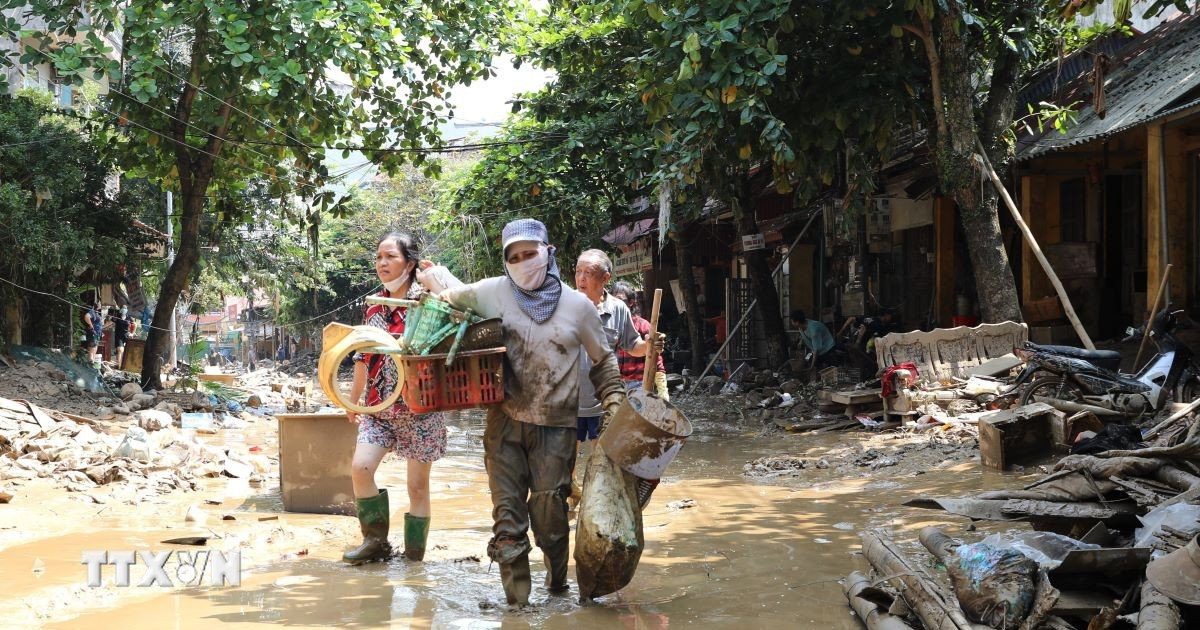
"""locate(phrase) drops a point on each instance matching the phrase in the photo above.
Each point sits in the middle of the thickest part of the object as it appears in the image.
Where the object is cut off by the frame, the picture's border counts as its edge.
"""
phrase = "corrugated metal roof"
(1147, 81)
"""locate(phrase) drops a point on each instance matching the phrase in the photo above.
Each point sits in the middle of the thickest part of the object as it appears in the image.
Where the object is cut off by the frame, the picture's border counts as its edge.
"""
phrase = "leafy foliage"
(217, 93)
(596, 154)
(57, 215)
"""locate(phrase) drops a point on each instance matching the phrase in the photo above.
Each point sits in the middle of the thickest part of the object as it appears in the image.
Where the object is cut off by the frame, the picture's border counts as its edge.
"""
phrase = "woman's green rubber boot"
(373, 517)
(416, 532)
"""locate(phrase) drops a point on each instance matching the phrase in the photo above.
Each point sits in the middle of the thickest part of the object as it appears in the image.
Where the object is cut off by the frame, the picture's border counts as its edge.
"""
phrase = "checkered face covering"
(540, 303)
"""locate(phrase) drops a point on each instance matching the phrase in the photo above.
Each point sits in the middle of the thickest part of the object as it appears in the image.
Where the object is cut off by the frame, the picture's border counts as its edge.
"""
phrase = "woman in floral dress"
(418, 438)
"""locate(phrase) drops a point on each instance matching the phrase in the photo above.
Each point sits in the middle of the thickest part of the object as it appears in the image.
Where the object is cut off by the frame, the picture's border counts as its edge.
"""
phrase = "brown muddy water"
(749, 553)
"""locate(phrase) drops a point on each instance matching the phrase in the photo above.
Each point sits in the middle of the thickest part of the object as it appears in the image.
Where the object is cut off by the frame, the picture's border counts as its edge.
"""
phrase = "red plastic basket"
(475, 378)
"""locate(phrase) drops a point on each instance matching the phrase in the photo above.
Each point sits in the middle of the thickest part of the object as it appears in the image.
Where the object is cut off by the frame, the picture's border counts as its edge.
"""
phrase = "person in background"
(123, 326)
(632, 367)
(593, 270)
(418, 438)
(815, 338)
(720, 324)
(529, 442)
(882, 324)
(93, 324)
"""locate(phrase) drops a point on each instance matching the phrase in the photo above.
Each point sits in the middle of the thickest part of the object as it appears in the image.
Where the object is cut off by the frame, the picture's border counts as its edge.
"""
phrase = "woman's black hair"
(406, 243)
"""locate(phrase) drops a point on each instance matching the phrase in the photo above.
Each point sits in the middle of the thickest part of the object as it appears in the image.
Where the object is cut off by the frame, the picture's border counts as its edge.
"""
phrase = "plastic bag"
(1045, 548)
(1180, 516)
(995, 584)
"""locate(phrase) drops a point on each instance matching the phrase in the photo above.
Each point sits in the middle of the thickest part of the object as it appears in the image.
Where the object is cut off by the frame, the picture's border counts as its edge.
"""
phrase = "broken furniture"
(1020, 434)
(315, 450)
(854, 402)
(943, 355)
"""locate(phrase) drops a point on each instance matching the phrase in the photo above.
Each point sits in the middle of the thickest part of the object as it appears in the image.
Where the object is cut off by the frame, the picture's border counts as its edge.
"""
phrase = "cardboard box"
(315, 450)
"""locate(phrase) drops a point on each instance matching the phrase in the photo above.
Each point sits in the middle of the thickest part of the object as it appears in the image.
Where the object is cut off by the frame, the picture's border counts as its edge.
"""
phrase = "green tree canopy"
(58, 215)
(215, 93)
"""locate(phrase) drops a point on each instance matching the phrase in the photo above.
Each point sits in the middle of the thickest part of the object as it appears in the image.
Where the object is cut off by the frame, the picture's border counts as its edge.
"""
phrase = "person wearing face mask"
(418, 438)
(529, 442)
(122, 329)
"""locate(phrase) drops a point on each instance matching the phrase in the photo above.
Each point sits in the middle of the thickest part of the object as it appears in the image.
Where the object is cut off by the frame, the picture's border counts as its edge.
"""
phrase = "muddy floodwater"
(722, 549)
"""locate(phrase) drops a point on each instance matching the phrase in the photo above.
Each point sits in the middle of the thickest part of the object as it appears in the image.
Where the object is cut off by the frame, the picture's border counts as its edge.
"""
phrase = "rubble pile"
(81, 454)
(1115, 543)
(49, 384)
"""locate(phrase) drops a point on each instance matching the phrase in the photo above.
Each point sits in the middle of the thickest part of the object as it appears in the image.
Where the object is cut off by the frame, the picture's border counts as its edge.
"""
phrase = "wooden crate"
(315, 450)
(135, 350)
(1016, 435)
(224, 379)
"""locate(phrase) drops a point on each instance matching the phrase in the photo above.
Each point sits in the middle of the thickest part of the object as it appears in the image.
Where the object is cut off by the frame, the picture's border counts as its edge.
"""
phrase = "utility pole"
(171, 356)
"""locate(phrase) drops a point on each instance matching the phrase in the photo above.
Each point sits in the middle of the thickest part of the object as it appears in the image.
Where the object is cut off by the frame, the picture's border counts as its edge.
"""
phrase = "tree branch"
(1002, 93)
(935, 72)
(183, 106)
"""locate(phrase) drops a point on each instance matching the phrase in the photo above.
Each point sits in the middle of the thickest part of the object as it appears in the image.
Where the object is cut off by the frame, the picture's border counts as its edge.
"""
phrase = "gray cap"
(524, 230)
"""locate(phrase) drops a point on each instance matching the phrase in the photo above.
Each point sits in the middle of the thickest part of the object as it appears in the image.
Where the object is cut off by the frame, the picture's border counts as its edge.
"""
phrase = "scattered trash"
(682, 504)
(199, 421)
(192, 541)
(135, 445)
(195, 515)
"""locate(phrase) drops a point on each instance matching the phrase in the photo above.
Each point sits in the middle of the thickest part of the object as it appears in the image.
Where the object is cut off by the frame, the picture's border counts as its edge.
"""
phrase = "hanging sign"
(753, 242)
(637, 259)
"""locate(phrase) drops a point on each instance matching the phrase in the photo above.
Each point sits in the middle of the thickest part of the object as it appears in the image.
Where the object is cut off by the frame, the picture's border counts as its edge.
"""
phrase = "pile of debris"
(51, 379)
(1115, 541)
(82, 454)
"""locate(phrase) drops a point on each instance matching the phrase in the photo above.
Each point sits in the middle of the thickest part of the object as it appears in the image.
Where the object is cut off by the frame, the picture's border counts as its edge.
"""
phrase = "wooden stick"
(937, 609)
(1192, 406)
(1150, 320)
(1033, 245)
(651, 350)
(875, 617)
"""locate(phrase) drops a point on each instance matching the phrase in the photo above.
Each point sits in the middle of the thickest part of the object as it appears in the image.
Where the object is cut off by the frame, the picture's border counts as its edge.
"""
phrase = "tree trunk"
(173, 284)
(758, 268)
(12, 322)
(995, 285)
(691, 305)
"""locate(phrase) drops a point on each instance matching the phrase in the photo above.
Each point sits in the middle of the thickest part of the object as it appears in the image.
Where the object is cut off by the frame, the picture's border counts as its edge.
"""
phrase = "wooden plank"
(1081, 603)
(994, 367)
(1052, 509)
(856, 396)
(1107, 561)
(224, 379)
(1155, 264)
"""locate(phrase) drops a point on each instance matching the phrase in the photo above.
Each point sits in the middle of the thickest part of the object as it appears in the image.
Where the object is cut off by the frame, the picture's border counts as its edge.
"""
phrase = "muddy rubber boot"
(373, 517)
(556, 569)
(517, 581)
(416, 532)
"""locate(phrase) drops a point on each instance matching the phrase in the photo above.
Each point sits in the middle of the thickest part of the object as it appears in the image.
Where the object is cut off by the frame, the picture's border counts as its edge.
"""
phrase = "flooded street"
(762, 552)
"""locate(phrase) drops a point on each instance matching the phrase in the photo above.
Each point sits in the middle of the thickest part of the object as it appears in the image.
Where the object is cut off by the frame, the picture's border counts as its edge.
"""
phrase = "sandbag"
(608, 534)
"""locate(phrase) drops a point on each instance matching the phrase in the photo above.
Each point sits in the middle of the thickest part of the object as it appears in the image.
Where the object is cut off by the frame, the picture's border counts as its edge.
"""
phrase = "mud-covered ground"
(751, 526)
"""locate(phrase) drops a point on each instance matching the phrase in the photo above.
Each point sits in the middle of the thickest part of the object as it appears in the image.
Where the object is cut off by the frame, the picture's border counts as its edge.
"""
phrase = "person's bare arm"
(357, 387)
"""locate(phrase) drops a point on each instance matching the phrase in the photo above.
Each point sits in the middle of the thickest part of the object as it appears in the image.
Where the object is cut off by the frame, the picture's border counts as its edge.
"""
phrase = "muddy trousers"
(529, 475)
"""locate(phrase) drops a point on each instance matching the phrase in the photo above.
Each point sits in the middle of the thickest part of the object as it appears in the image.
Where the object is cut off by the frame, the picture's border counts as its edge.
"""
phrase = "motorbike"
(1074, 379)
